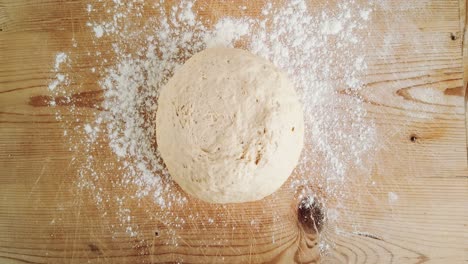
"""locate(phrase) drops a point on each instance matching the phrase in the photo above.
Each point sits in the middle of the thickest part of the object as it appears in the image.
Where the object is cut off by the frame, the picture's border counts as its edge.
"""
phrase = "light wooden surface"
(422, 158)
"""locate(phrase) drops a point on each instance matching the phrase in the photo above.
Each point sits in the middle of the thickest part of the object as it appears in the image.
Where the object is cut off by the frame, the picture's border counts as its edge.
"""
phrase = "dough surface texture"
(230, 127)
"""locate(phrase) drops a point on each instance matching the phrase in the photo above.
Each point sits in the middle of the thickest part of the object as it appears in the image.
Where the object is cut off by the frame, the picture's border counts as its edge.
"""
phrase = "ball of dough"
(230, 126)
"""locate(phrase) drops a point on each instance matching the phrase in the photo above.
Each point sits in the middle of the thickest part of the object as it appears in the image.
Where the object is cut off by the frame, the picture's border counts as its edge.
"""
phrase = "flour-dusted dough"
(230, 127)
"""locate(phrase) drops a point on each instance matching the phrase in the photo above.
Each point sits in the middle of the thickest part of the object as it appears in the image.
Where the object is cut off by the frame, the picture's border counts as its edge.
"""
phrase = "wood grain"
(422, 157)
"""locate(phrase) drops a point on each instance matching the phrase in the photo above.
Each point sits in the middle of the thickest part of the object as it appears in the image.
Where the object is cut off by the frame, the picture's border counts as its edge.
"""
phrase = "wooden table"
(42, 220)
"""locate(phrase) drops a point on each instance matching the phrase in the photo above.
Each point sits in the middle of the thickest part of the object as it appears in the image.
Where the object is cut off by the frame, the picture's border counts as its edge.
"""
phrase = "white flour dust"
(319, 48)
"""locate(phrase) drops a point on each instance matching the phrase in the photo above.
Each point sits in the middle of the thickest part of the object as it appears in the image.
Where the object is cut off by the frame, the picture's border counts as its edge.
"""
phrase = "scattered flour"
(365, 14)
(331, 27)
(53, 85)
(392, 197)
(226, 32)
(59, 59)
(98, 31)
(60, 78)
(149, 41)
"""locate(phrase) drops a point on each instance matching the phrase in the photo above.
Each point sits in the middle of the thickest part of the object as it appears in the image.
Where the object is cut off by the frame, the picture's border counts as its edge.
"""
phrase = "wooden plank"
(464, 30)
(44, 217)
